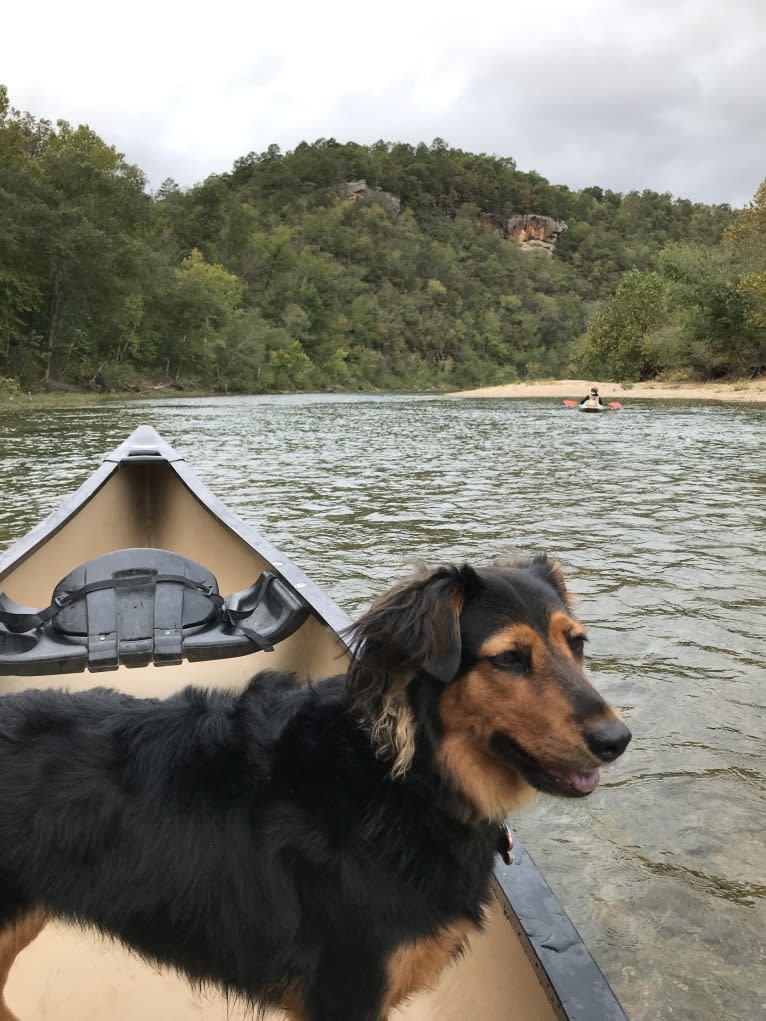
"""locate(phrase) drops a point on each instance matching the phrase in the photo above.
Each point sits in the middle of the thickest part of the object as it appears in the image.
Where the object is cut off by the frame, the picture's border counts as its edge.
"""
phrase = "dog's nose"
(609, 740)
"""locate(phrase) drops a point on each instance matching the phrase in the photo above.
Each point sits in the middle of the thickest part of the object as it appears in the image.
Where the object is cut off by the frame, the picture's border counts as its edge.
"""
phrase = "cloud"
(627, 94)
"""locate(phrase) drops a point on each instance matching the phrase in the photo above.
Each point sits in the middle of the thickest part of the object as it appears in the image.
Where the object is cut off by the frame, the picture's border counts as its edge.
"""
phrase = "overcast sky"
(626, 94)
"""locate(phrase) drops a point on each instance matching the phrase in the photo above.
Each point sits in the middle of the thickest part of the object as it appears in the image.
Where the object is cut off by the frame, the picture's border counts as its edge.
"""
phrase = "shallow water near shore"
(656, 514)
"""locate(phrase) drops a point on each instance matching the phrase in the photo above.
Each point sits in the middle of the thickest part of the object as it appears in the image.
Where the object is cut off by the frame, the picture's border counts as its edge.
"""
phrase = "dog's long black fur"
(290, 843)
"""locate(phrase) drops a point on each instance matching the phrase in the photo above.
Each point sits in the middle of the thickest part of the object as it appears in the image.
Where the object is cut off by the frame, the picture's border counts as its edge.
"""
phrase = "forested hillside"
(270, 278)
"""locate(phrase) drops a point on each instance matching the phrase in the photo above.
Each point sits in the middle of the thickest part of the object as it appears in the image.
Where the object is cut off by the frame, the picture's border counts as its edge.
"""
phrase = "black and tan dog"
(328, 848)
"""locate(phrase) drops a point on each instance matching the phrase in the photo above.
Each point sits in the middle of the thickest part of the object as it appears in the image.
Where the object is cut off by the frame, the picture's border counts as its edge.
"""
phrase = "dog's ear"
(550, 572)
(412, 628)
(430, 633)
(416, 625)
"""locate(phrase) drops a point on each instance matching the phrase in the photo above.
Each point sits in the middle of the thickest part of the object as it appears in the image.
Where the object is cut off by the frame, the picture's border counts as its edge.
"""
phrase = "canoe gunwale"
(27, 544)
(576, 986)
(324, 607)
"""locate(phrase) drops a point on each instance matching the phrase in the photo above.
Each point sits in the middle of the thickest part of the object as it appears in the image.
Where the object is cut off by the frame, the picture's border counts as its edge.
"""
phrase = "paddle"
(573, 404)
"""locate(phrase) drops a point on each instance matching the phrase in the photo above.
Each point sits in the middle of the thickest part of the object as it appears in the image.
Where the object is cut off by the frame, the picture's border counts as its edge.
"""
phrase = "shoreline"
(745, 391)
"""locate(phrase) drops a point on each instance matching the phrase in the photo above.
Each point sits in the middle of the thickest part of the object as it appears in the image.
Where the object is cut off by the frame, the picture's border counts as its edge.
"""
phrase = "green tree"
(208, 299)
(25, 221)
(95, 208)
(747, 238)
(613, 346)
(714, 313)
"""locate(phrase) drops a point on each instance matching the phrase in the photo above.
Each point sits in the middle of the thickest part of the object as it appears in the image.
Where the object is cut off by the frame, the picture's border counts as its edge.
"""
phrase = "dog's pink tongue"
(584, 782)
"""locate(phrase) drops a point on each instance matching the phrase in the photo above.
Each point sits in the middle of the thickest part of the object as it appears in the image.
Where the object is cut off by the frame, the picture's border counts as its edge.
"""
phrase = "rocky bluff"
(531, 231)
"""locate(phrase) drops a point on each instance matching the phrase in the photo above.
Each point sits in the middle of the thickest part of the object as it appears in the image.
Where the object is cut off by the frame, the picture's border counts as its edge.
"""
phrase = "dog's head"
(487, 665)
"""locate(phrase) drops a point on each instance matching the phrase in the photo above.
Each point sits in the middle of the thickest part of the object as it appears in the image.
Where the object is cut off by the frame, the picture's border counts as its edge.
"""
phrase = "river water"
(656, 514)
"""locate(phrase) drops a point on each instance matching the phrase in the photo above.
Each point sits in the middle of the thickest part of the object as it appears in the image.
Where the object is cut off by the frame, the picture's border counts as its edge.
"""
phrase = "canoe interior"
(74, 976)
(148, 505)
(78, 976)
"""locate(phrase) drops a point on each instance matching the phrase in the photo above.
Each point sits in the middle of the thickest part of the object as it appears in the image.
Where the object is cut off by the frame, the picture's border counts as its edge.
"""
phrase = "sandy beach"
(746, 391)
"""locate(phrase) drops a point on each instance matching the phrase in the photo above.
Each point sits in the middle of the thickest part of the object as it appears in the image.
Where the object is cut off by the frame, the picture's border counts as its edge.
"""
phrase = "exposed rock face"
(351, 189)
(360, 190)
(531, 232)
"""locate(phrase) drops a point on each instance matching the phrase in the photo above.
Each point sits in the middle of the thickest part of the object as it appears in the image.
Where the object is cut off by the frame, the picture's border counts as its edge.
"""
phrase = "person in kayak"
(592, 399)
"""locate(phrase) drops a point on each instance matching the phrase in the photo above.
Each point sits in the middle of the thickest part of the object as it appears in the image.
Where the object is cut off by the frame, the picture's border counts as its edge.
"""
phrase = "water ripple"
(718, 886)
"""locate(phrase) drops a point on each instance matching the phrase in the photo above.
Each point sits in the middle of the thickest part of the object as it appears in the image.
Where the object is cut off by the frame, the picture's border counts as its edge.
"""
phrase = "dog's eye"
(577, 645)
(512, 660)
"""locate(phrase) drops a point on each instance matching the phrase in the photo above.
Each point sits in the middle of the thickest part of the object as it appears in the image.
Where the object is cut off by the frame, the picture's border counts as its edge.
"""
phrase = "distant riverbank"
(743, 391)
(746, 391)
(89, 398)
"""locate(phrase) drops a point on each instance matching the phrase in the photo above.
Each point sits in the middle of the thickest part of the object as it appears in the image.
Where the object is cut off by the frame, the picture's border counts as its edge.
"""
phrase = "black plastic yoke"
(140, 606)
